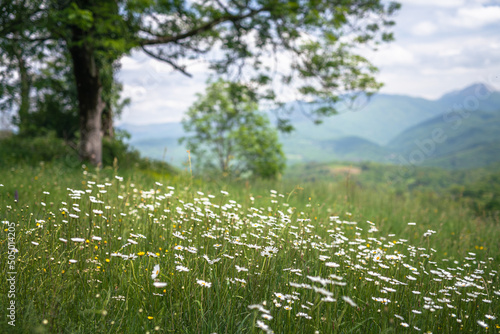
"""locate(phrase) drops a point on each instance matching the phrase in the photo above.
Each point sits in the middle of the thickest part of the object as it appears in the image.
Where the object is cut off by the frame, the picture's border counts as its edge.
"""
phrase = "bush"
(117, 148)
(17, 149)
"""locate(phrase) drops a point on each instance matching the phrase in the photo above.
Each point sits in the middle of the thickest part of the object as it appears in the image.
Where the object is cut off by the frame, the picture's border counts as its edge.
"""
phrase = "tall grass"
(241, 257)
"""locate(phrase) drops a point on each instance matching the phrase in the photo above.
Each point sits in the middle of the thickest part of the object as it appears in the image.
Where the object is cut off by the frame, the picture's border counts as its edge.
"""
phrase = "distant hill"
(379, 120)
(354, 148)
(452, 141)
(387, 128)
(158, 141)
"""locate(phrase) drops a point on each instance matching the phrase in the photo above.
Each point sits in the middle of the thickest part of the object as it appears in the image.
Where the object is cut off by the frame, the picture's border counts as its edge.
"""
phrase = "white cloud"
(424, 28)
(434, 3)
(392, 55)
(158, 93)
(476, 17)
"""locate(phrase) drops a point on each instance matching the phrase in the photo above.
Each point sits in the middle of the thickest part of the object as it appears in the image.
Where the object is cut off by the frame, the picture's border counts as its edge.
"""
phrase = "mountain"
(378, 119)
(452, 140)
(470, 97)
(354, 148)
(459, 130)
(158, 141)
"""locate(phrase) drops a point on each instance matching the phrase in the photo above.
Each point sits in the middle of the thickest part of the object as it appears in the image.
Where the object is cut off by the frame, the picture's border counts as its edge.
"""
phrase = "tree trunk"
(25, 82)
(89, 87)
(107, 122)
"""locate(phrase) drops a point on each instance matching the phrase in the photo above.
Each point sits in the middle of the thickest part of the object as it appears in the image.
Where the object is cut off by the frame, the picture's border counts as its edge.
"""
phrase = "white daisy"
(156, 271)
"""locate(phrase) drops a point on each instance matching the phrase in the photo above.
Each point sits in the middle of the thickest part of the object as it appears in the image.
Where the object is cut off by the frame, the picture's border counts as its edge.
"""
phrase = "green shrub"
(17, 149)
(116, 152)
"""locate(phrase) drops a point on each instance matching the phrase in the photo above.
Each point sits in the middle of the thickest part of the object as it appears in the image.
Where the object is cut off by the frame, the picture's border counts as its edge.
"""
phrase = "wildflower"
(279, 295)
(156, 271)
(323, 291)
(349, 301)
(204, 283)
(76, 239)
(304, 315)
(181, 268)
(482, 324)
(318, 279)
(258, 307)
(263, 326)
(160, 284)
(73, 261)
(192, 250)
(211, 261)
(332, 264)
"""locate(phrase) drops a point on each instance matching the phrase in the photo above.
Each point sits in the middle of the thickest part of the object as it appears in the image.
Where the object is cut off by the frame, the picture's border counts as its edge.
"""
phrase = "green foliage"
(117, 152)
(55, 102)
(478, 188)
(229, 133)
(482, 191)
(49, 148)
(117, 148)
(18, 149)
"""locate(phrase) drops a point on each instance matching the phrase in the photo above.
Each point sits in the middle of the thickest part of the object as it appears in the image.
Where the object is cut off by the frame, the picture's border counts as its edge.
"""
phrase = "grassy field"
(114, 251)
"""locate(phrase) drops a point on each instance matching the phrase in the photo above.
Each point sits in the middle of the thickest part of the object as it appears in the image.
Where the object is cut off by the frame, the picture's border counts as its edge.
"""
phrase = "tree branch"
(171, 63)
(206, 27)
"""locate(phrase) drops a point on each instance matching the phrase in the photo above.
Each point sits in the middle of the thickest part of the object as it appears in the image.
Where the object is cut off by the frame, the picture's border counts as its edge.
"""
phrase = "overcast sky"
(440, 46)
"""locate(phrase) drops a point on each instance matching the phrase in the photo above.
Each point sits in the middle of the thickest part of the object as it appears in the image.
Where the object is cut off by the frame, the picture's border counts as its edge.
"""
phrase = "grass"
(239, 257)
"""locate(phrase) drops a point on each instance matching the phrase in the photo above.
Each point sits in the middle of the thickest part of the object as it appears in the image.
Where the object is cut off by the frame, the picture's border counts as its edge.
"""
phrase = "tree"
(21, 46)
(47, 95)
(317, 38)
(228, 129)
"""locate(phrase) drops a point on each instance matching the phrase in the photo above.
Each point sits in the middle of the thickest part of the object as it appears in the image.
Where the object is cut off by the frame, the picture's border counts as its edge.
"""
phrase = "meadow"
(129, 251)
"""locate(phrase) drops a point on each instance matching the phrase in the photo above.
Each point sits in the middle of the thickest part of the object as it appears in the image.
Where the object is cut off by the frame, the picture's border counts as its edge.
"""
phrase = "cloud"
(475, 17)
(392, 55)
(434, 3)
(424, 28)
(158, 93)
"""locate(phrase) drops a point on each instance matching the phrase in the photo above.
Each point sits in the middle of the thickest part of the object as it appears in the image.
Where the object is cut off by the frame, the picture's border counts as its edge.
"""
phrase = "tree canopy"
(313, 43)
(228, 133)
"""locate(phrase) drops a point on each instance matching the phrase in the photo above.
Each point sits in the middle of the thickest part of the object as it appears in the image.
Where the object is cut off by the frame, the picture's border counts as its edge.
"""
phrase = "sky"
(440, 46)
